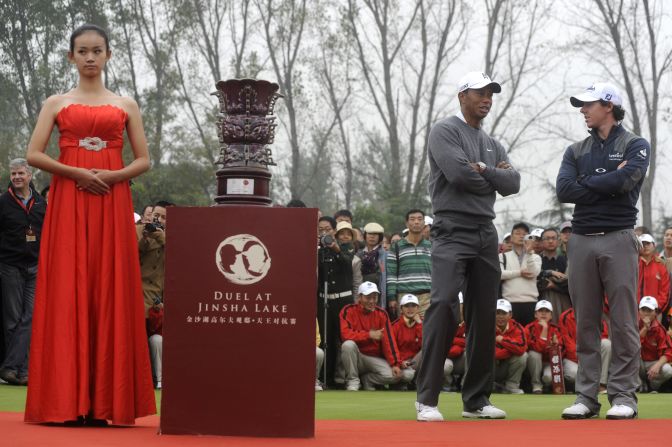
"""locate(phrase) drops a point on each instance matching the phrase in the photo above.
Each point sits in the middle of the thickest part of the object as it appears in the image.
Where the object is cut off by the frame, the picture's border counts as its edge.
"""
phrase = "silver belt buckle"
(93, 144)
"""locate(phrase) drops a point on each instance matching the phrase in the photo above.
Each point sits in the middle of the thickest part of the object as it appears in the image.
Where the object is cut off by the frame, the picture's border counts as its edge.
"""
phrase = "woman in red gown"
(89, 359)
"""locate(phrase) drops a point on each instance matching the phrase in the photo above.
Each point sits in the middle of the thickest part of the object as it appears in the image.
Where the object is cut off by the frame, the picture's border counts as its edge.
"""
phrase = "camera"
(326, 240)
(153, 226)
(158, 300)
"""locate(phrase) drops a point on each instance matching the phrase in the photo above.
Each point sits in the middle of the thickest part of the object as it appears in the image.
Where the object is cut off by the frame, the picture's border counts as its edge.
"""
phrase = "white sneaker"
(621, 412)
(318, 387)
(487, 412)
(512, 391)
(425, 413)
(158, 385)
(578, 411)
(352, 386)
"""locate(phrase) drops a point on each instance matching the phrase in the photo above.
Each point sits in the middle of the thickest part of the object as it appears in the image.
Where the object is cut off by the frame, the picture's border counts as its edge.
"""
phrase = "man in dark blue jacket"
(22, 212)
(603, 175)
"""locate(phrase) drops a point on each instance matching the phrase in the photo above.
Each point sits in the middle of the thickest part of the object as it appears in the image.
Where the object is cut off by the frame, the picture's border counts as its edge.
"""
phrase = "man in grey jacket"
(467, 169)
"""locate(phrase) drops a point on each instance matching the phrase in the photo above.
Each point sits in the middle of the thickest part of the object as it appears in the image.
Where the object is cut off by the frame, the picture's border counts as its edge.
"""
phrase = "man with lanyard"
(22, 212)
(467, 169)
(602, 175)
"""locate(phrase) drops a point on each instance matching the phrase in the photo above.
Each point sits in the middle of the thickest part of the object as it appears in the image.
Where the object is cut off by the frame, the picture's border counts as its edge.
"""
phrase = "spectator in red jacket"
(155, 332)
(541, 335)
(570, 363)
(654, 280)
(368, 345)
(455, 362)
(408, 335)
(510, 350)
(656, 346)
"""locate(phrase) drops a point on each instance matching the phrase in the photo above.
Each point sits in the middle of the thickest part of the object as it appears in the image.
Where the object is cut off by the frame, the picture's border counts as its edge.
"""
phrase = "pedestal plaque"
(239, 328)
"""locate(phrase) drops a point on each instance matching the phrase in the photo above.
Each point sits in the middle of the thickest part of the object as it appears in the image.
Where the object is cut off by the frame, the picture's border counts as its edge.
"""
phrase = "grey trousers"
(511, 370)
(156, 354)
(375, 370)
(664, 375)
(605, 265)
(464, 258)
(540, 371)
(18, 297)
(571, 368)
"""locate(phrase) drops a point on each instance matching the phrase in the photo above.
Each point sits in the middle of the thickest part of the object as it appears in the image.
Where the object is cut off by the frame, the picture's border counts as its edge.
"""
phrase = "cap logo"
(600, 170)
(485, 76)
(591, 88)
(607, 97)
(464, 86)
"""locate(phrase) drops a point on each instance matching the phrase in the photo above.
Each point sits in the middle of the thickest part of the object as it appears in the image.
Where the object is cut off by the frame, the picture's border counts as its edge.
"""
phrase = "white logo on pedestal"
(243, 259)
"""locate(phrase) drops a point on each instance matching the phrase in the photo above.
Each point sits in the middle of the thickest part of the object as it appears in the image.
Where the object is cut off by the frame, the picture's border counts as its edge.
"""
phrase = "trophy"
(246, 128)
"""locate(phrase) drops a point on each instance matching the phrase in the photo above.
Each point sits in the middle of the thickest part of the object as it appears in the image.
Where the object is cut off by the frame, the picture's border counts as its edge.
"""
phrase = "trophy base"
(243, 186)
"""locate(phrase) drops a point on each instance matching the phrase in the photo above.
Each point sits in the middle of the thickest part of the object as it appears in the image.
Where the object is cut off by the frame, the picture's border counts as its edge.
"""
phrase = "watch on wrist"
(481, 166)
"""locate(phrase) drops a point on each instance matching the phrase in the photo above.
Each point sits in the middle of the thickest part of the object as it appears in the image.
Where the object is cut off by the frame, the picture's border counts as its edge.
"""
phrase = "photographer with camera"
(151, 246)
(334, 279)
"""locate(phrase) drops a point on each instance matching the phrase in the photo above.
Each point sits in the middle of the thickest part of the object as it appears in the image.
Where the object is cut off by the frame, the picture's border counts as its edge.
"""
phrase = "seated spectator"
(654, 280)
(510, 350)
(155, 332)
(541, 336)
(454, 366)
(520, 268)
(408, 336)
(570, 362)
(345, 237)
(368, 347)
(319, 358)
(552, 282)
(656, 346)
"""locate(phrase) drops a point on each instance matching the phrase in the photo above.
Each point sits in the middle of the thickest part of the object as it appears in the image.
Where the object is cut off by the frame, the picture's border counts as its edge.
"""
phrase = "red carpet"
(15, 433)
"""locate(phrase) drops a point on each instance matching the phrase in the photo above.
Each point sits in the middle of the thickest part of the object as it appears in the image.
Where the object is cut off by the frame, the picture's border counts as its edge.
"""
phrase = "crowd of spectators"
(378, 285)
(373, 290)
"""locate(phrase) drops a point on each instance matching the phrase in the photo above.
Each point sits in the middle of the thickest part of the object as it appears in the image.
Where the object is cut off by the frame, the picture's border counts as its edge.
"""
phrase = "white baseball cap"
(506, 236)
(475, 80)
(537, 232)
(409, 298)
(650, 302)
(600, 90)
(504, 305)
(367, 287)
(647, 238)
(429, 220)
(543, 304)
(373, 228)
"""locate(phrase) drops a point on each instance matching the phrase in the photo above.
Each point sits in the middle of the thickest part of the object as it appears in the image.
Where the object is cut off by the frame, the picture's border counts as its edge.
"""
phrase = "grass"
(392, 405)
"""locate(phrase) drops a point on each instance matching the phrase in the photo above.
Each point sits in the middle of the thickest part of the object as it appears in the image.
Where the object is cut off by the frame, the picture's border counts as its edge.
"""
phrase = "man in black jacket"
(22, 212)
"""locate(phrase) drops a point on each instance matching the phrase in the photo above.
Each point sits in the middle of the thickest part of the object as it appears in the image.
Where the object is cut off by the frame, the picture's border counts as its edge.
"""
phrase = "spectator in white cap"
(408, 335)
(653, 278)
(510, 350)
(541, 335)
(369, 349)
(426, 231)
(373, 257)
(506, 244)
(467, 170)
(656, 346)
(535, 235)
(602, 175)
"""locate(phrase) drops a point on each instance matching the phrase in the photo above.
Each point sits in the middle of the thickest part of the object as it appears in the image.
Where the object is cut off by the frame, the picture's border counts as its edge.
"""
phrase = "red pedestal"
(239, 327)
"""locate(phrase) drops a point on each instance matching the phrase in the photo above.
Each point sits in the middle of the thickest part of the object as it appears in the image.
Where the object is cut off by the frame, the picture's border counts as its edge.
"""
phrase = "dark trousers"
(523, 313)
(464, 258)
(333, 328)
(18, 296)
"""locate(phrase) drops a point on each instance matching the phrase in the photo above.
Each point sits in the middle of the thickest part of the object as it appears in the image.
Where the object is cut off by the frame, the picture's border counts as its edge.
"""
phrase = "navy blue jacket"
(605, 196)
(14, 249)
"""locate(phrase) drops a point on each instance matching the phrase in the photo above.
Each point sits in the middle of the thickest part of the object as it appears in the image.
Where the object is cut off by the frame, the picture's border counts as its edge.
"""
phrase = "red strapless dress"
(89, 351)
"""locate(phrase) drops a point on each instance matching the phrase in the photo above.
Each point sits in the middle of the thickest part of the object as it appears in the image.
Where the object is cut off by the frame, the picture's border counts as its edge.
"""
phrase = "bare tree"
(633, 33)
(515, 57)
(283, 23)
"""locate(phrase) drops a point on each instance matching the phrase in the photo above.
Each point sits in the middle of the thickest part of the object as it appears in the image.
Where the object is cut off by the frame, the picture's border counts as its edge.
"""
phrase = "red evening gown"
(89, 353)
